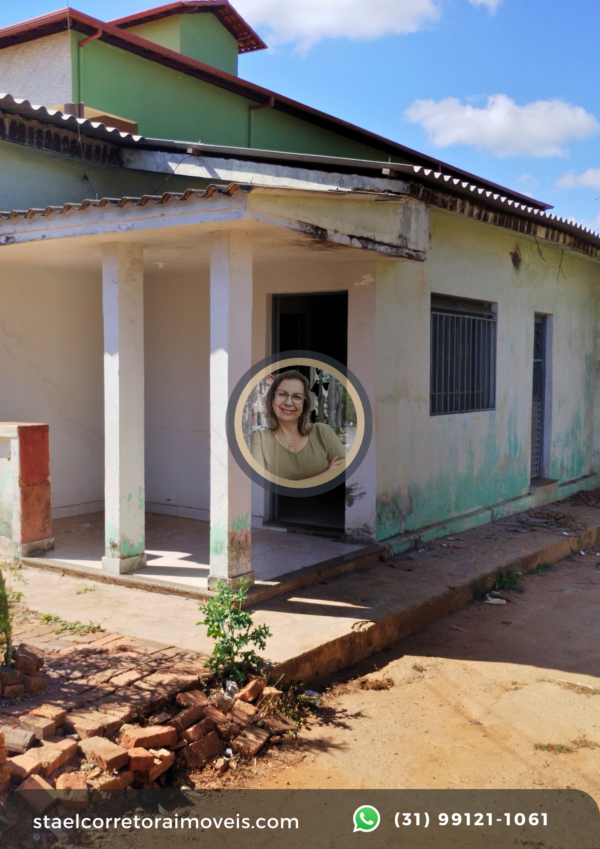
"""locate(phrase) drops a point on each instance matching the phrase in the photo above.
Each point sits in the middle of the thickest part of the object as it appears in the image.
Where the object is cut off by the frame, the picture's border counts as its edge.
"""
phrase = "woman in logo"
(292, 447)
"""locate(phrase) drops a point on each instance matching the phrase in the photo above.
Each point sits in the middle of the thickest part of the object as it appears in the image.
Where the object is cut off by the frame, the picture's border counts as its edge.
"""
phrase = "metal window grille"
(463, 357)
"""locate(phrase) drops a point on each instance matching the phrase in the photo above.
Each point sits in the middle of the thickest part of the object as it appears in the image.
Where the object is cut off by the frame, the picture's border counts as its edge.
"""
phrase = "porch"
(146, 315)
(178, 554)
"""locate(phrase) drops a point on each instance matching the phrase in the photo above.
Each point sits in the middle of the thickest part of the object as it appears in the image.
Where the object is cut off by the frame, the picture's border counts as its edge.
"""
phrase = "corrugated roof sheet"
(124, 202)
(17, 106)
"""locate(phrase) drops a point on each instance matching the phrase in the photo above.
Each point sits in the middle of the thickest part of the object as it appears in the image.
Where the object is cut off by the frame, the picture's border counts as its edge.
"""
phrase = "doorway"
(539, 422)
(316, 322)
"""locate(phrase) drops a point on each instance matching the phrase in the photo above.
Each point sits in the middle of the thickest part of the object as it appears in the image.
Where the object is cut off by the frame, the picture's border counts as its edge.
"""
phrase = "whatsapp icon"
(366, 818)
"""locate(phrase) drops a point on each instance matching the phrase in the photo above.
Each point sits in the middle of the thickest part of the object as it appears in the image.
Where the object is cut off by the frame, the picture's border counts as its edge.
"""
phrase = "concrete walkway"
(334, 623)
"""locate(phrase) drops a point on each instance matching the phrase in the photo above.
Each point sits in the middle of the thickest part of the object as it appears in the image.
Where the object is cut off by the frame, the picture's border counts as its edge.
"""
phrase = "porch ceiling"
(182, 248)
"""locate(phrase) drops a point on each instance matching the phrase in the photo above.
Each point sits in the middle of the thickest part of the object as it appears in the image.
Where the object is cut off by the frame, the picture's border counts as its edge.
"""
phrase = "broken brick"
(40, 727)
(198, 753)
(13, 691)
(251, 690)
(187, 717)
(29, 659)
(216, 715)
(243, 713)
(140, 760)
(106, 754)
(3, 755)
(53, 755)
(200, 729)
(250, 741)
(56, 714)
(10, 676)
(73, 791)
(149, 737)
(22, 766)
(85, 723)
(36, 684)
(38, 794)
(192, 697)
(228, 730)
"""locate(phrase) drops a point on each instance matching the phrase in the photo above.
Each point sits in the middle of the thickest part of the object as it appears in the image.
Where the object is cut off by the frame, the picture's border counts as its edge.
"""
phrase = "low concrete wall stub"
(25, 493)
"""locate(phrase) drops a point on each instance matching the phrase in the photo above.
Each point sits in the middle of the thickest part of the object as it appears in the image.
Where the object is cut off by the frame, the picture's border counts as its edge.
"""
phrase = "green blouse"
(322, 446)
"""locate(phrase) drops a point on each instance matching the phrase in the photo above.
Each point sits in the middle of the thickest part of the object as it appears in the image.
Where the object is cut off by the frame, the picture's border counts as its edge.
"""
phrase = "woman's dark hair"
(304, 424)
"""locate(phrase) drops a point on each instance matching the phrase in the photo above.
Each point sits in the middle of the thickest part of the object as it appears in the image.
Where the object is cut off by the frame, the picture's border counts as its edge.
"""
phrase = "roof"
(473, 190)
(435, 188)
(119, 37)
(247, 39)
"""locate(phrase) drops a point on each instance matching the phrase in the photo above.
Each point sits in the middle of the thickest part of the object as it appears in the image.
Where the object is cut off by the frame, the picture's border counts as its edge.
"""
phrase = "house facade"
(221, 216)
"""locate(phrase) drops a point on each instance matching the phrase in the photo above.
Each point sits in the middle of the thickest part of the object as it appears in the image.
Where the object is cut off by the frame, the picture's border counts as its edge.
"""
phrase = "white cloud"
(503, 128)
(492, 5)
(308, 21)
(590, 179)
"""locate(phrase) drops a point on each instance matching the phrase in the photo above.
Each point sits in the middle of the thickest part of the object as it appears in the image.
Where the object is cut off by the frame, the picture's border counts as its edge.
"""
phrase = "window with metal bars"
(463, 355)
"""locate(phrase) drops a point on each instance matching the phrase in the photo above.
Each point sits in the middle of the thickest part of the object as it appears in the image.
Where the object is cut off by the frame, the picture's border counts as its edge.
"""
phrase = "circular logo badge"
(299, 423)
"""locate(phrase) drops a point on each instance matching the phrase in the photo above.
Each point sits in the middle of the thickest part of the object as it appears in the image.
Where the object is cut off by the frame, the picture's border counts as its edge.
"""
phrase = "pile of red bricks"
(24, 677)
(118, 712)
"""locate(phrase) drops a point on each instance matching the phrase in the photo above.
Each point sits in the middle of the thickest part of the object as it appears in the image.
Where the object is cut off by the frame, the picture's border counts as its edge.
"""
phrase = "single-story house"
(152, 256)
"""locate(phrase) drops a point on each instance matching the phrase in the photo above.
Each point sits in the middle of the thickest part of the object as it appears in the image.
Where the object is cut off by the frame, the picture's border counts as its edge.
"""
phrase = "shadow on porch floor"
(178, 549)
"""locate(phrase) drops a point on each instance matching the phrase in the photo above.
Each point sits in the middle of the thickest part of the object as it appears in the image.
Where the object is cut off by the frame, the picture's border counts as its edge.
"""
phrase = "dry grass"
(376, 683)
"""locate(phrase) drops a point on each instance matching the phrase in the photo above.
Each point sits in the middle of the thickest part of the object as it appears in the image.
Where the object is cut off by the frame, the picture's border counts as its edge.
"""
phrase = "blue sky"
(502, 88)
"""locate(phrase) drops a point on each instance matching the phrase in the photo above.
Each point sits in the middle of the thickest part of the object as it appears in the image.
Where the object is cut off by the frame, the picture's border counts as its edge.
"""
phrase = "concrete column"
(361, 487)
(123, 301)
(230, 358)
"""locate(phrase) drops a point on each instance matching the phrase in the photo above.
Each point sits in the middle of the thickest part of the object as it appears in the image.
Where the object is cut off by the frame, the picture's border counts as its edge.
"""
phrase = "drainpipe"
(270, 104)
(81, 44)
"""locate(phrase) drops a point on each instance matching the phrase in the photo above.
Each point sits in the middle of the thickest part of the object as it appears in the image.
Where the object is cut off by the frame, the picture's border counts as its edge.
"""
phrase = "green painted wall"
(200, 36)
(433, 469)
(165, 32)
(171, 105)
(33, 178)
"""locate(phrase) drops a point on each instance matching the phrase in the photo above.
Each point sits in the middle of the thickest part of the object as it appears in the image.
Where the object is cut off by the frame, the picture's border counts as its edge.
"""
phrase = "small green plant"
(541, 569)
(557, 748)
(76, 627)
(86, 590)
(233, 629)
(509, 580)
(5, 622)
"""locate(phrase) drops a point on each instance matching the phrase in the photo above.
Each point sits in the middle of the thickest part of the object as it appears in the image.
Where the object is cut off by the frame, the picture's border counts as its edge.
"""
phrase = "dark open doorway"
(318, 323)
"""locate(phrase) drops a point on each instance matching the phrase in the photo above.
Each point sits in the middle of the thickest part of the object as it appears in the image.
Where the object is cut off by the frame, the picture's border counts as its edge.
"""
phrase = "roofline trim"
(248, 40)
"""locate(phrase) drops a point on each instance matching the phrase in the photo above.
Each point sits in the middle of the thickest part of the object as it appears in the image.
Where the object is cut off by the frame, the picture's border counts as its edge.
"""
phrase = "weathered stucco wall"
(177, 341)
(39, 71)
(51, 371)
(431, 469)
(36, 178)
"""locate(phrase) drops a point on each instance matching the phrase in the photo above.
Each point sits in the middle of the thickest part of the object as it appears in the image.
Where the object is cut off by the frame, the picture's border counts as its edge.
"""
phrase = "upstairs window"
(463, 355)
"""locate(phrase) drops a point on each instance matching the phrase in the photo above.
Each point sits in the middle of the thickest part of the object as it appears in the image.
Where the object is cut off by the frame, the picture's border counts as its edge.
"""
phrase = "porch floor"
(178, 549)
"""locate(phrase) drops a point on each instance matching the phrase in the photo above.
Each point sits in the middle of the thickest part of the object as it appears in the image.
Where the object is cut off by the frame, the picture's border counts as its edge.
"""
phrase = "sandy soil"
(472, 700)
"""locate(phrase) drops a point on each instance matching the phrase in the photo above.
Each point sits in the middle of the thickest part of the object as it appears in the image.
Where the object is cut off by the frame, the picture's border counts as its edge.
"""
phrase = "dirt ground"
(473, 701)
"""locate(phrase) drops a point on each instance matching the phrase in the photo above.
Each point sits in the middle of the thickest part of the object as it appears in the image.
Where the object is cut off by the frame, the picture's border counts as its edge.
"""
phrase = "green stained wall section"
(33, 179)
(171, 105)
(434, 469)
(200, 36)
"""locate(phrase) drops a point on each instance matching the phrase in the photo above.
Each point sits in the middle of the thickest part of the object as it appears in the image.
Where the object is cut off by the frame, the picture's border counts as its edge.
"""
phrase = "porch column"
(123, 304)
(230, 357)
